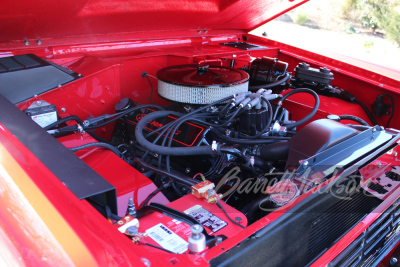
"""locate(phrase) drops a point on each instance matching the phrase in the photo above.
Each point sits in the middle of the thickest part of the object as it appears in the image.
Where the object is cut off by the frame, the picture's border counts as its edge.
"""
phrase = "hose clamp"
(214, 147)
(80, 128)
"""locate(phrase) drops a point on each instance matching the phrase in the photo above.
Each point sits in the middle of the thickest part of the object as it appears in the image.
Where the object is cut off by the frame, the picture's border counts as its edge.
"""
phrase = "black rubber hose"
(230, 140)
(180, 179)
(172, 151)
(164, 127)
(99, 144)
(310, 115)
(251, 209)
(121, 114)
(236, 152)
(369, 114)
(274, 152)
(63, 120)
(354, 118)
(263, 165)
(270, 85)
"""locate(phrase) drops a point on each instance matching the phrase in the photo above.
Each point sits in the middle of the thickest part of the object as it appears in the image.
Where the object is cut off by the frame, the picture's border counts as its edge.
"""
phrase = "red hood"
(72, 19)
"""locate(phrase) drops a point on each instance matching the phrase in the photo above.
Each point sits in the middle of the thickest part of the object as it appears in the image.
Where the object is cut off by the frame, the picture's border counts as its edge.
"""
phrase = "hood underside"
(48, 19)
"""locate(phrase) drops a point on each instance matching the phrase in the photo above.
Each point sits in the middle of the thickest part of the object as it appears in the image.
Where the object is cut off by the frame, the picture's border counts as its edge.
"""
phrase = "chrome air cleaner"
(200, 84)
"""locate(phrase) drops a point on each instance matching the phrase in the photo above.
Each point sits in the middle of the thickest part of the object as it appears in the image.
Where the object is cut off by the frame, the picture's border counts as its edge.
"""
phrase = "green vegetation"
(374, 14)
(348, 8)
(349, 29)
(301, 18)
(368, 44)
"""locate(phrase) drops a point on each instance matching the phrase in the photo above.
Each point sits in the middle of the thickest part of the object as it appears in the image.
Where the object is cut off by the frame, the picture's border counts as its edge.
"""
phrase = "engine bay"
(197, 144)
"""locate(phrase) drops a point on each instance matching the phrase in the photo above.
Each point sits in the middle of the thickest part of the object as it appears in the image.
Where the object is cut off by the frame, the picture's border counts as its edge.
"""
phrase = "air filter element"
(199, 84)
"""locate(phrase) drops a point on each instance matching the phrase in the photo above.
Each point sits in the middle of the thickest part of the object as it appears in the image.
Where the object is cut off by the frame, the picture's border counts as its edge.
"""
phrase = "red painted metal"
(94, 21)
(111, 44)
(128, 181)
(92, 239)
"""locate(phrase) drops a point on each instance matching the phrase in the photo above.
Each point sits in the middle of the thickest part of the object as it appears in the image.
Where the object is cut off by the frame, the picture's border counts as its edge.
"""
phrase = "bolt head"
(132, 230)
(393, 261)
(210, 192)
(63, 109)
(199, 31)
(304, 65)
(26, 42)
(324, 70)
(395, 154)
(39, 42)
(196, 229)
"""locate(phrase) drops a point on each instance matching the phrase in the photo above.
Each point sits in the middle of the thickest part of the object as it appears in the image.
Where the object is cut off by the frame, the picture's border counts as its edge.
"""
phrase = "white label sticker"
(45, 119)
(167, 239)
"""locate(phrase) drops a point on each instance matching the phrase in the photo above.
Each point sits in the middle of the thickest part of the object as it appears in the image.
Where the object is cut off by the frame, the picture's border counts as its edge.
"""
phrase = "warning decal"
(206, 218)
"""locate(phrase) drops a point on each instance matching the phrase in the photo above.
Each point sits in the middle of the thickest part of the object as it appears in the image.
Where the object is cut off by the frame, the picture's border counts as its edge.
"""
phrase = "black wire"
(63, 120)
(221, 113)
(155, 193)
(354, 118)
(151, 94)
(98, 144)
(121, 114)
(270, 85)
(218, 163)
(233, 221)
(161, 248)
(391, 116)
(369, 114)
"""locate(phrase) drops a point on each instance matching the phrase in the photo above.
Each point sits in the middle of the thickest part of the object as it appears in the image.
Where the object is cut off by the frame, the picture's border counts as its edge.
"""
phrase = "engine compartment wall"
(112, 72)
(112, 75)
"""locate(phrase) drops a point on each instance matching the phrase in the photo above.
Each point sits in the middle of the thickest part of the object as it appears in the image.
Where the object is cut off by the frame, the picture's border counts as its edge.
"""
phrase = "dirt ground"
(325, 31)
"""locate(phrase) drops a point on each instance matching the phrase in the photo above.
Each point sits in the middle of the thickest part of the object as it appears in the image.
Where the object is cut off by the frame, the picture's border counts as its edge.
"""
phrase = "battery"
(172, 234)
(44, 115)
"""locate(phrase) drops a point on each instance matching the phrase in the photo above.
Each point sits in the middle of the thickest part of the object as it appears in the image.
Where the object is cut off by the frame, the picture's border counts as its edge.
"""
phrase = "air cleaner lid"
(202, 75)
